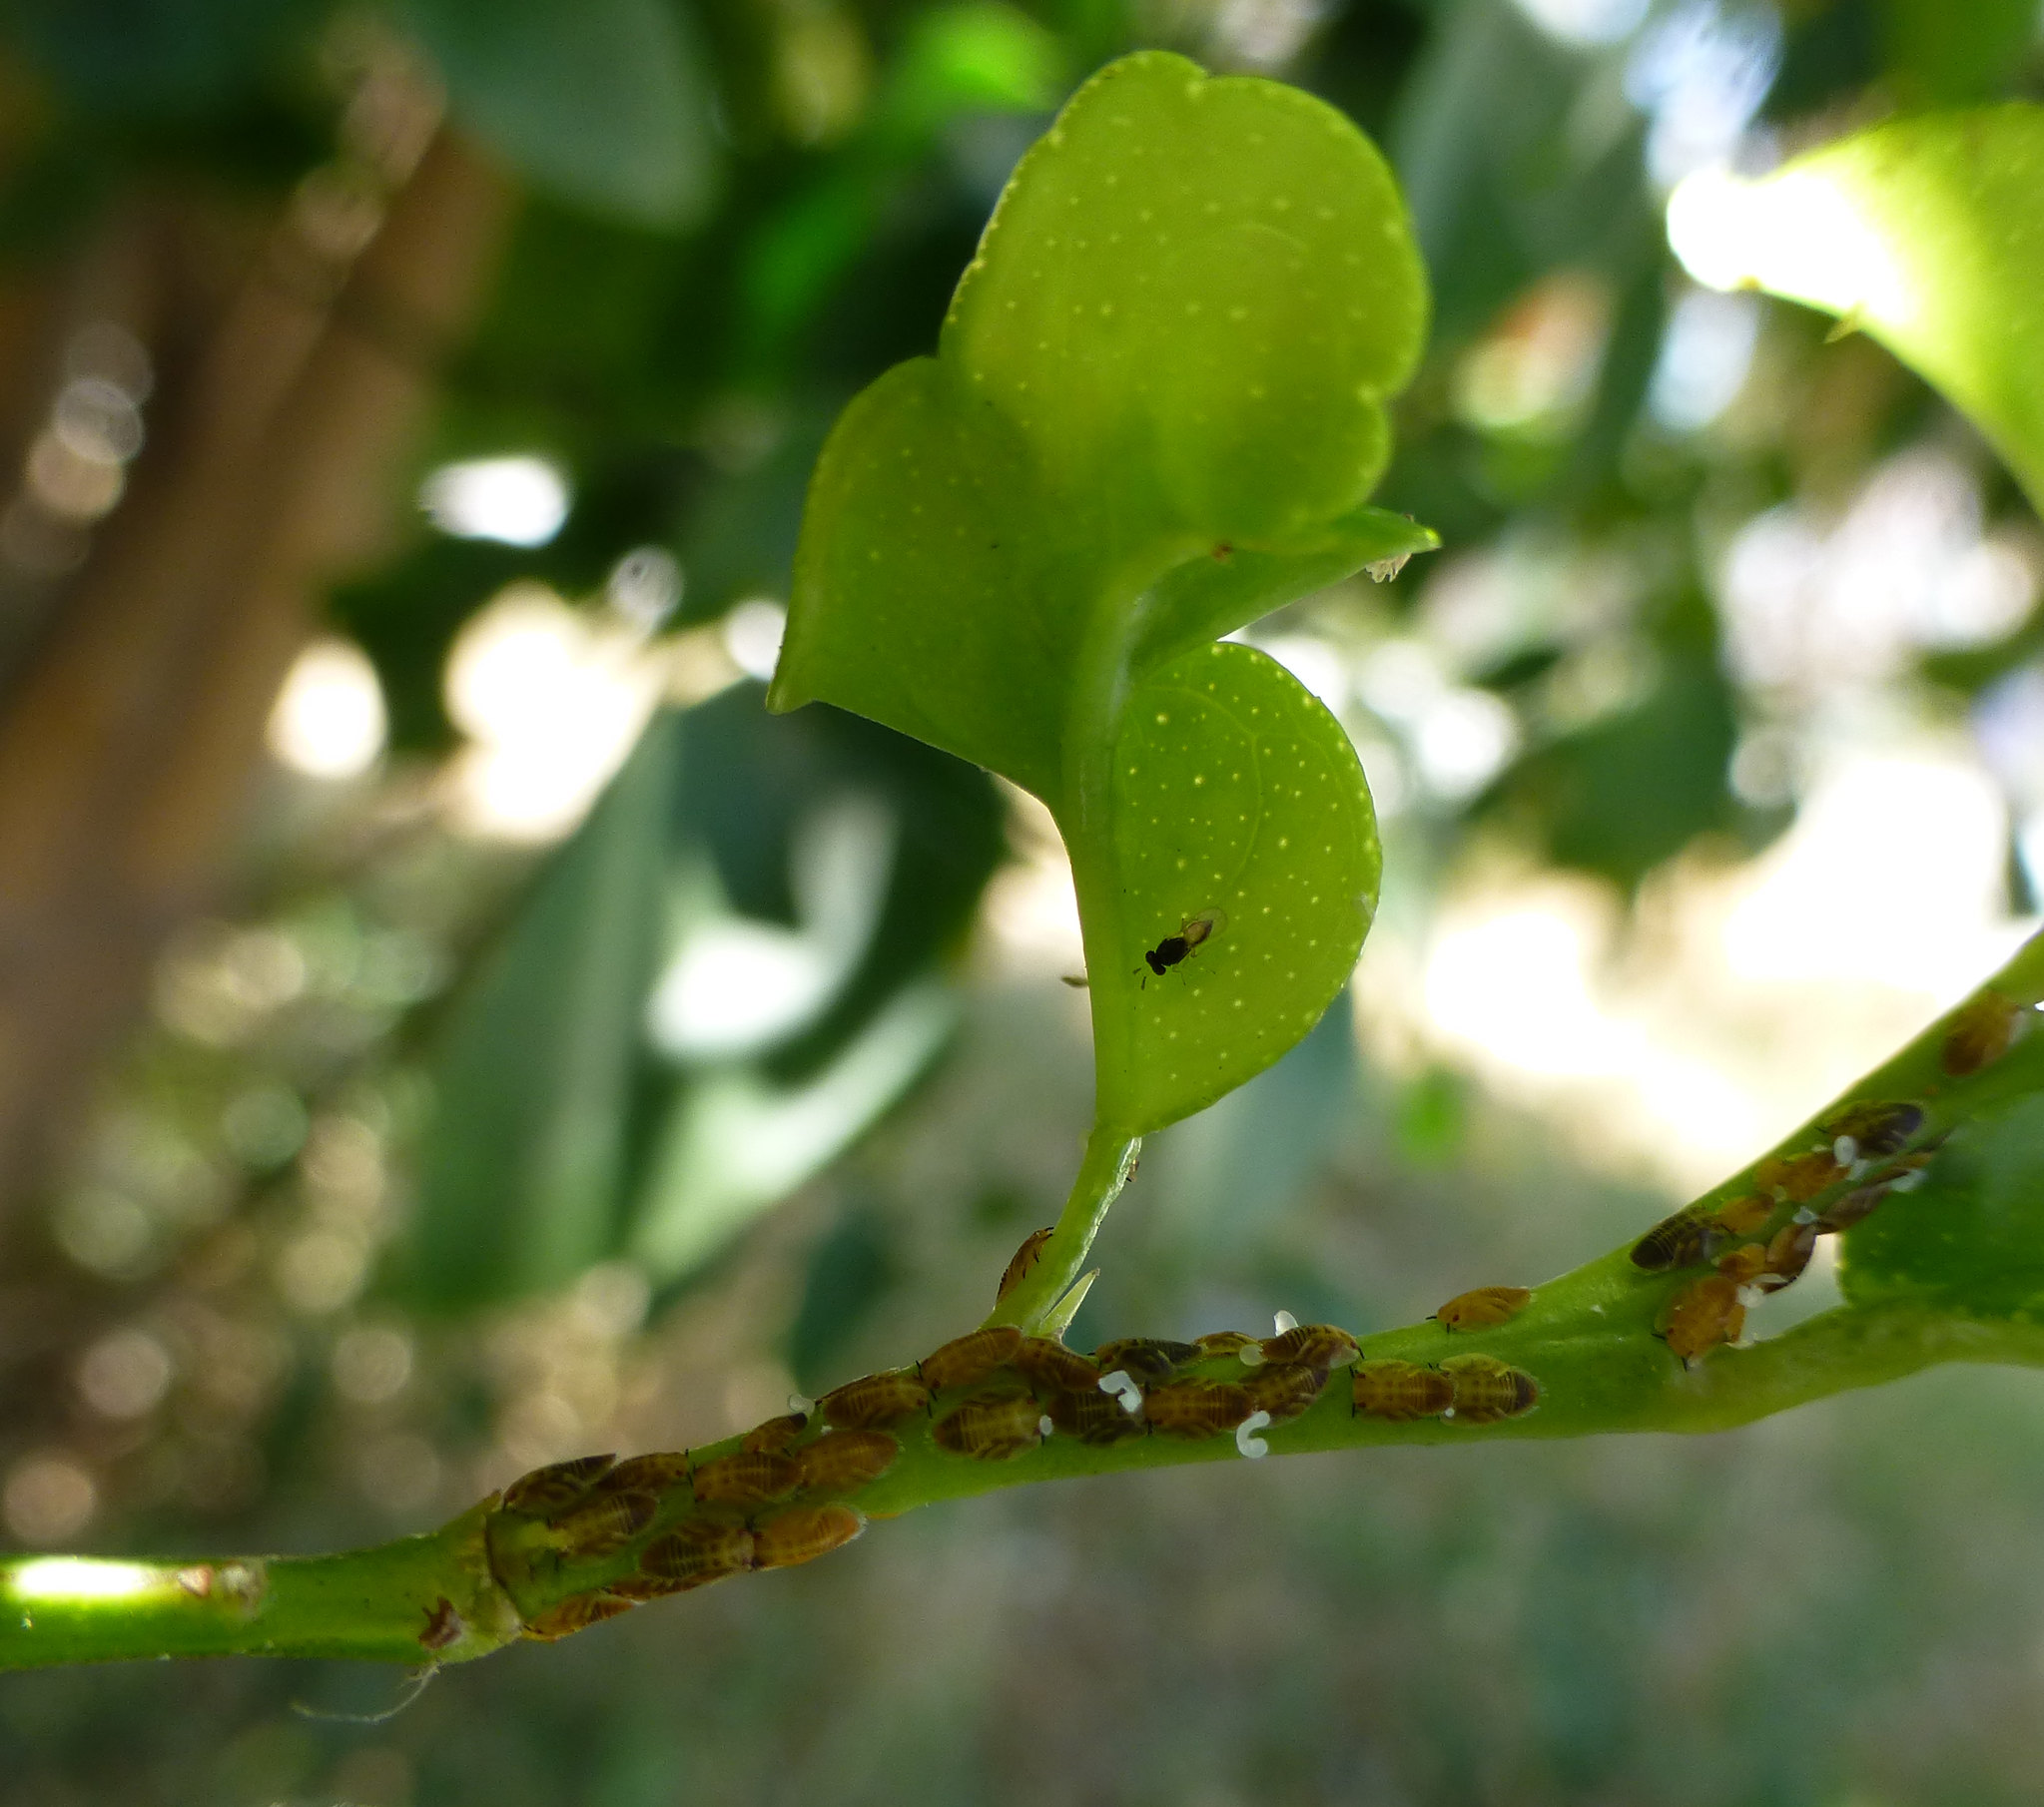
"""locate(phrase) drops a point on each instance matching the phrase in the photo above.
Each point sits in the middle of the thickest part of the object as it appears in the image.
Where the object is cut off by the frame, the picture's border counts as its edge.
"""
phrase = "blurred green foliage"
(735, 217)
(572, 1131)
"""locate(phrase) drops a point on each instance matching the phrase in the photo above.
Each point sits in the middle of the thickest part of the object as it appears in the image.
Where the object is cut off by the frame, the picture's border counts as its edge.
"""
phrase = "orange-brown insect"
(1675, 1242)
(697, 1552)
(1983, 1030)
(1843, 1213)
(576, 1614)
(547, 1490)
(846, 1458)
(1400, 1391)
(1743, 1216)
(1284, 1389)
(1093, 1417)
(751, 1478)
(991, 1426)
(1789, 1254)
(1045, 1362)
(1746, 1264)
(1906, 1174)
(443, 1626)
(1485, 1307)
(607, 1523)
(1148, 1358)
(1025, 1258)
(1487, 1390)
(875, 1400)
(1223, 1342)
(1194, 1409)
(776, 1434)
(653, 1474)
(1703, 1316)
(804, 1533)
(641, 1588)
(1798, 1177)
(1874, 1131)
(1321, 1346)
(967, 1360)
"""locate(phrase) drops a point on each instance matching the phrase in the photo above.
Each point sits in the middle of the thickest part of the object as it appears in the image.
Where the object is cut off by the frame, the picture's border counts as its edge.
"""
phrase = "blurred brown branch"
(131, 733)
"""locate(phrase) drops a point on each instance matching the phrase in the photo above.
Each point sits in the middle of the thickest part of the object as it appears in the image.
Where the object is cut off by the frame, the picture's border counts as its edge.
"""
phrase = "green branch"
(1109, 1161)
(417, 1599)
(563, 1550)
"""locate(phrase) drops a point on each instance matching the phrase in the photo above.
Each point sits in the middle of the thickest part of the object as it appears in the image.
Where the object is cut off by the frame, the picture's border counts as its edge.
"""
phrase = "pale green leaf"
(1158, 408)
(1239, 804)
(1927, 233)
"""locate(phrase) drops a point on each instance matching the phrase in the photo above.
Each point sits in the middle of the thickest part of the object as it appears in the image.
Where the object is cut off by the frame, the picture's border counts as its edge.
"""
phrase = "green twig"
(1109, 1160)
(416, 1600)
(1588, 1339)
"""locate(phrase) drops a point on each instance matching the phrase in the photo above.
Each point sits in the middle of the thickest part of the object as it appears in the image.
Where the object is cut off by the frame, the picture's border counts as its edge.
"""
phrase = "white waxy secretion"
(1246, 1439)
(1121, 1383)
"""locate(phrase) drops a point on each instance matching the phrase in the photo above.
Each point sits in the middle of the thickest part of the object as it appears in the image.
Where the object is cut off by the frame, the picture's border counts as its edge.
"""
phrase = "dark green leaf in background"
(521, 1181)
(575, 1121)
(603, 103)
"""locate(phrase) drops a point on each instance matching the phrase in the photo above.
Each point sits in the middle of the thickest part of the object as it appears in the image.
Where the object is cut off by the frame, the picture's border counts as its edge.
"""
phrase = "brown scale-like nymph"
(1284, 1389)
(1675, 1242)
(1321, 1346)
(600, 1525)
(846, 1458)
(696, 1551)
(991, 1426)
(1196, 1409)
(1399, 1392)
(1484, 1308)
(968, 1360)
(801, 1533)
(1700, 1317)
(1092, 1416)
(1047, 1364)
(1146, 1358)
(751, 1478)
(1487, 1390)
(875, 1401)
(559, 1484)
(576, 1614)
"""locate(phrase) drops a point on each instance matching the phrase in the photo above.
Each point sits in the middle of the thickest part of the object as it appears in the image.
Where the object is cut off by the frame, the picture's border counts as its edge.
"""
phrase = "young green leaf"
(1156, 410)
(1241, 814)
(1965, 1237)
(1971, 1239)
(1925, 234)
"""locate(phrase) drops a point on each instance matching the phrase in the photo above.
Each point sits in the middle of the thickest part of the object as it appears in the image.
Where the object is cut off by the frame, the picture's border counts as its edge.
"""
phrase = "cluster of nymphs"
(1762, 1240)
(987, 1396)
(1469, 1388)
(742, 1512)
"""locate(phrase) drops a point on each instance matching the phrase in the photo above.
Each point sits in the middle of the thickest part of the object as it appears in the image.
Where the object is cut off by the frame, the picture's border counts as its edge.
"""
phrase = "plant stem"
(1587, 1339)
(417, 1599)
(390, 1604)
(1104, 1169)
